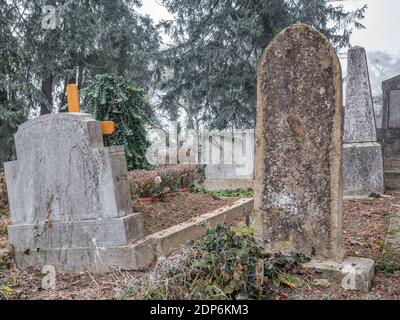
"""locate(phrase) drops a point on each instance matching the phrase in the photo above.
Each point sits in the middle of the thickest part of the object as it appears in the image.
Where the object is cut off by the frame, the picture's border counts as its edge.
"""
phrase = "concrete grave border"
(137, 255)
(391, 250)
(166, 241)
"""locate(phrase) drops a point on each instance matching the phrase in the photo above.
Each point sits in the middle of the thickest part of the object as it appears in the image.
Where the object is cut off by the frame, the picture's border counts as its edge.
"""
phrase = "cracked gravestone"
(362, 154)
(69, 197)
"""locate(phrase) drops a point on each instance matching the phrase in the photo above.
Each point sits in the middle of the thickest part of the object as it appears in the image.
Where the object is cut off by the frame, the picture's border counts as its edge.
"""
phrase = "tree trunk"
(3, 96)
(189, 118)
(80, 76)
(47, 91)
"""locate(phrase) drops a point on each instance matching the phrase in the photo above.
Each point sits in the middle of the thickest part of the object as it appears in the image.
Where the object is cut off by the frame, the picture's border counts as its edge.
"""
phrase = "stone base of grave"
(352, 273)
(391, 251)
(362, 169)
(211, 185)
(133, 256)
(136, 256)
(88, 245)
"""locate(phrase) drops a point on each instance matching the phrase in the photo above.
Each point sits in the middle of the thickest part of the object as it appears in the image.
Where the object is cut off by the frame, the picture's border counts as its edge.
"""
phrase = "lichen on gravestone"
(298, 185)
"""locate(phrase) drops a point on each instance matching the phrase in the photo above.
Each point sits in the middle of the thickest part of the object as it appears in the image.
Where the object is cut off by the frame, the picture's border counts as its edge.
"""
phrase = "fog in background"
(380, 38)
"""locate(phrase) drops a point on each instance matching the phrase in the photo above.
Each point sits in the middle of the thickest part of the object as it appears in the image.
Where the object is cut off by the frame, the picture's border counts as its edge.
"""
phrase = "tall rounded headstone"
(362, 154)
(298, 185)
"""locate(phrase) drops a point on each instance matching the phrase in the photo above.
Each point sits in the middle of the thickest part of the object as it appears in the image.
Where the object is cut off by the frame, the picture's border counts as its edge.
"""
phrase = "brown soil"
(178, 208)
(365, 223)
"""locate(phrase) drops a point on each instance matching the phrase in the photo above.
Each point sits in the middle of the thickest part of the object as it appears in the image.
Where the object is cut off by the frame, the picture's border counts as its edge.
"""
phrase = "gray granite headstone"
(389, 133)
(362, 154)
(69, 196)
(298, 184)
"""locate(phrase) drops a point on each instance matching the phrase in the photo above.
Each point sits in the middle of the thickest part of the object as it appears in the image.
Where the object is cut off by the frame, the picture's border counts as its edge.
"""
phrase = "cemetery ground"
(180, 207)
(365, 224)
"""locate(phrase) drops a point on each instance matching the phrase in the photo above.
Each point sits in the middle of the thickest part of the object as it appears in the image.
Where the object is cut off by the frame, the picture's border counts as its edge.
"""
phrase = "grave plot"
(172, 214)
(164, 196)
(179, 208)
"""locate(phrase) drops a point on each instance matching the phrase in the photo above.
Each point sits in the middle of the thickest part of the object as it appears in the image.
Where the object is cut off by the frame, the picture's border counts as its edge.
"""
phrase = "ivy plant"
(113, 98)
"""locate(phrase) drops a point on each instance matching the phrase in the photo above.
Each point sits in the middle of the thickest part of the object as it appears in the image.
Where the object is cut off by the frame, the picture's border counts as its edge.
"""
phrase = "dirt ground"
(365, 224)
(178, 208)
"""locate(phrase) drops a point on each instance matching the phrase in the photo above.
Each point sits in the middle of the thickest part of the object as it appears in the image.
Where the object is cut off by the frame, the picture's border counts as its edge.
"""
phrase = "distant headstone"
(229, 159)
(69, 197)
(389, 133)
(298, 184)
(362, 154)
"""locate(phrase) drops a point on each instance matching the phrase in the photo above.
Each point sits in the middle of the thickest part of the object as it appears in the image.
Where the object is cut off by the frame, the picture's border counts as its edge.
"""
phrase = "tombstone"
(298, 183)
(362, 154)
(389, 133)
(229, 159)
(69, 197)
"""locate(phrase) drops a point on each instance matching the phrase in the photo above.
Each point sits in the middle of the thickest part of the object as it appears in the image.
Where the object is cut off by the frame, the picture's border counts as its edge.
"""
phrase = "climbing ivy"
(111, 97)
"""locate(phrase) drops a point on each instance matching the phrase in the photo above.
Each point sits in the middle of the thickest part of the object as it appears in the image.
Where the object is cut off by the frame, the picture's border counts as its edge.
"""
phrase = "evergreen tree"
(12, 109)
(217, 44)
(111, 97)
(91, 37)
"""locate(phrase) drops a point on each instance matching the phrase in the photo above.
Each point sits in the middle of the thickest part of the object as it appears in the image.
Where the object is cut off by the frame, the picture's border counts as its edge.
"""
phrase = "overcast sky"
(382, 32)
(382, 23)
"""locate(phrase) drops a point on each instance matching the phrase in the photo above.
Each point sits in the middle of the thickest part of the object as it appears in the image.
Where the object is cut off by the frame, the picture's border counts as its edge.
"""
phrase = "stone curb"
(168, 240)
(391, 251)
(137, 255)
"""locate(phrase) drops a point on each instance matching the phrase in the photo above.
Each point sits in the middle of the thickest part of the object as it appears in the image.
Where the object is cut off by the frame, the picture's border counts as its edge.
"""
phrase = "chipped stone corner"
(353, 273)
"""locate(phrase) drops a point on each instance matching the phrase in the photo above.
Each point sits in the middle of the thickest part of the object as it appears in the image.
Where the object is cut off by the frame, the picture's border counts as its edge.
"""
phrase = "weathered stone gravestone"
(298, 186)
(69, 197)
(362, 154)
(389, 133)
(298, 183)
